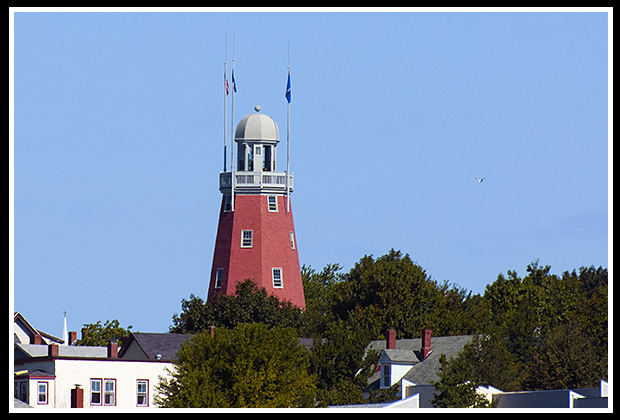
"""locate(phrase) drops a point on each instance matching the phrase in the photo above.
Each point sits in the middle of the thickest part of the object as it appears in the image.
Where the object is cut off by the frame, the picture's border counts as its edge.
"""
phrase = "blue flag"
(233, 80)
(287, 95)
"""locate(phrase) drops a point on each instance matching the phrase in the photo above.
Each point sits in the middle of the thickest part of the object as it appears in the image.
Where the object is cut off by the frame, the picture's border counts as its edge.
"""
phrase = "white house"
(57, 376)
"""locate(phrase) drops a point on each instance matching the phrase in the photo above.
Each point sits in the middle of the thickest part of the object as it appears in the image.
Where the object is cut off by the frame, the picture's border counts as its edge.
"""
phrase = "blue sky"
(118, 142)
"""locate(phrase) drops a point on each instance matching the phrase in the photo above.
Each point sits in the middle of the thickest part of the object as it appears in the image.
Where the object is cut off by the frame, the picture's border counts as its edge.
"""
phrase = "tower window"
(227, 203)
(219, 274)
(246, 239)
(267, 158)
(276, 276)
(292, 235)
(272, 202)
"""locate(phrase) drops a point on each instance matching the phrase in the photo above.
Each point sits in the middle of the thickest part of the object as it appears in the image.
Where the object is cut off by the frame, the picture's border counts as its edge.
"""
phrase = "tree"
(456, 389)
(100, 335)
(543, 332)
(340, 363)
(250, 365)
(318, 293)
(400, 290)
(250, 304)
(565, 360)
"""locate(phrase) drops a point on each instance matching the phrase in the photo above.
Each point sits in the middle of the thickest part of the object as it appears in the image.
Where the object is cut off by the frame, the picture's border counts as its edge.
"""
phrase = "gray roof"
(41, 350)
(399, 356)
(20, 404)
(424, 372)
(553, 398)
(153, 346)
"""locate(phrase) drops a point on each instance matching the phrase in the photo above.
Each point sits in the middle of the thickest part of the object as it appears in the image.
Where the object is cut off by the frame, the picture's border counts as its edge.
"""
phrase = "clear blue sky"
(118, 144)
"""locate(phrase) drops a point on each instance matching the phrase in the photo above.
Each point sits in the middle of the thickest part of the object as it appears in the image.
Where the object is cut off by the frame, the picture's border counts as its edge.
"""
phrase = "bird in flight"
(480, 179)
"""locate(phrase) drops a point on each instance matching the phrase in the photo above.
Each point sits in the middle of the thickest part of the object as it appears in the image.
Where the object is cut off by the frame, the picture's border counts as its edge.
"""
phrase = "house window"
(142, 392)
(246, 239)
(42, 393)
(22, 391)
(292, 236)
(110, 392)
(218, 278)
(95, 391)
(386, 376)
(272, 202)
(276, 276)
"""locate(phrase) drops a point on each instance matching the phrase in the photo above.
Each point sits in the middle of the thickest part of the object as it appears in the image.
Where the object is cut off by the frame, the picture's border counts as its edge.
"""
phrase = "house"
(59, 376)
(23, 332)
(415, 360)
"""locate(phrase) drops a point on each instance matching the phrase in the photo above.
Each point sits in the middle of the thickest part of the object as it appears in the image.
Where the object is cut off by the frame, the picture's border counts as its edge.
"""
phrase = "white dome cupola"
(256, 136)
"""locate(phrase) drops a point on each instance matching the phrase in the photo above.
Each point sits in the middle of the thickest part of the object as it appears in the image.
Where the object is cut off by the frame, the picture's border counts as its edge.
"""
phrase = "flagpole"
(288, 136)
(225, 95)
(232, 136)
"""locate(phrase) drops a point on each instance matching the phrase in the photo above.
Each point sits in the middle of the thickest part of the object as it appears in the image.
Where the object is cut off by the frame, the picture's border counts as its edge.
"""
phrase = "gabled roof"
(30, 331)
(152, 346)
(425, 371)
(398, 356)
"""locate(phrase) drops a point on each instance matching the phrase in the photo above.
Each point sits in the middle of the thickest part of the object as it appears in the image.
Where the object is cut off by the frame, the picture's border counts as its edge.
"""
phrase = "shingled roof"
(425, 371)
(152, 346)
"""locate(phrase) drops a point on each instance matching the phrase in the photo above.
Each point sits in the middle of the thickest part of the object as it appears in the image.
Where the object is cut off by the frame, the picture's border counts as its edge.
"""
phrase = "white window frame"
(144, 394)
(272, 207)
(109, 396)
(43, 394)
(277, 278)
(247, 241)
(219, 275)
(94, 391)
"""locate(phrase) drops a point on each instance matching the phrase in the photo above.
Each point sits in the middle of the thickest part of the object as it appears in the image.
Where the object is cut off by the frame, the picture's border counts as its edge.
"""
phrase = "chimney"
(77, 397)
(36, 339)
(113, 349)
(72, 337)
(390, 341)
(52, 350)
(426, 343)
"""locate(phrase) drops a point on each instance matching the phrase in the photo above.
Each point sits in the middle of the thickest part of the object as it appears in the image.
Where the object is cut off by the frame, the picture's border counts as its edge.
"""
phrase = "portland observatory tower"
(256, 236)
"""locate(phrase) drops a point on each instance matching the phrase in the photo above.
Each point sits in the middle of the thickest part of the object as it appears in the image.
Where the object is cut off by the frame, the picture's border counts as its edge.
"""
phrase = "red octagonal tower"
(256, 236)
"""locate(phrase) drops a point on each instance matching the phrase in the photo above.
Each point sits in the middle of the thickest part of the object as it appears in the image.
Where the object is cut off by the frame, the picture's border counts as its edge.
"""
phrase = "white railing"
(255, 180)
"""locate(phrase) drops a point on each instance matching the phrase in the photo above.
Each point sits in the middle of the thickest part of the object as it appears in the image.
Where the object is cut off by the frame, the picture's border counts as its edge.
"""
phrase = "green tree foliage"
(544, 331)
(318, 292)
(250, 304)
(392, 292)
(100, 335)
(250, 365)
(456, 388)
(541, 331)
(341, 365)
